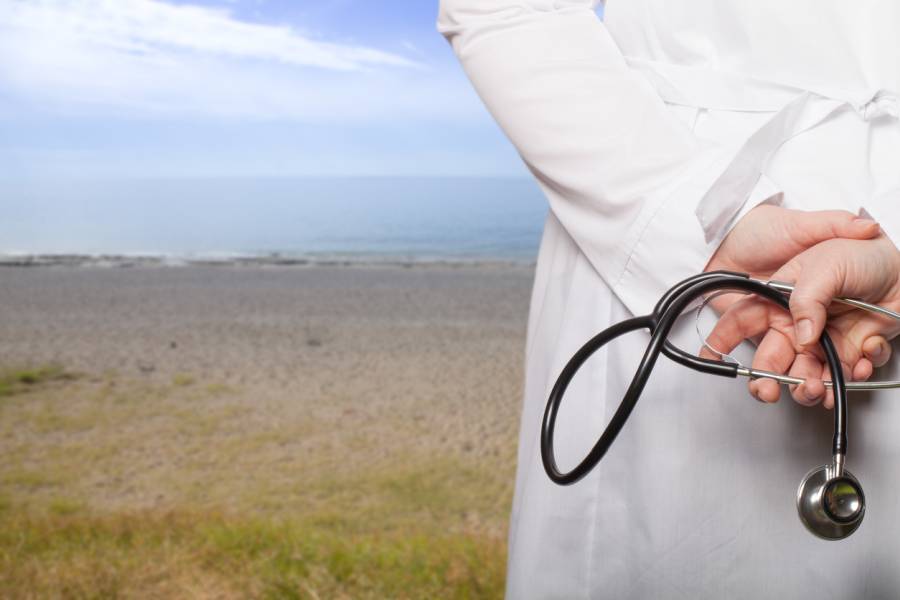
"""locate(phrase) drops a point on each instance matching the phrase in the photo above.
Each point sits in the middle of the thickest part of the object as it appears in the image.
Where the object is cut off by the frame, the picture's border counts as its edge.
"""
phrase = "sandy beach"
(259, 431)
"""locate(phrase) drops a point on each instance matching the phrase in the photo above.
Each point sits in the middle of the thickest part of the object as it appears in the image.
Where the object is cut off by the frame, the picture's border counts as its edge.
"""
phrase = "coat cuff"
(669, 243)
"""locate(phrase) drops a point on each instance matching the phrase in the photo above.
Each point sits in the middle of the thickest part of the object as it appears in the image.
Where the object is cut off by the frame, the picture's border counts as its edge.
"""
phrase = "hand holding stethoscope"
(867, 269)
(830, 500)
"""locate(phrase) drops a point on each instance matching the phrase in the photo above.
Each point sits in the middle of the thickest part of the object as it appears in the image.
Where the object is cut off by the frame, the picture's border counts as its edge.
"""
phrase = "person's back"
(652, 140)
(842, 47)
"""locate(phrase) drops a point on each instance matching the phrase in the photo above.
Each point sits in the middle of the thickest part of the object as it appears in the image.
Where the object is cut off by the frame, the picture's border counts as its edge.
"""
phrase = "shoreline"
(269, 260)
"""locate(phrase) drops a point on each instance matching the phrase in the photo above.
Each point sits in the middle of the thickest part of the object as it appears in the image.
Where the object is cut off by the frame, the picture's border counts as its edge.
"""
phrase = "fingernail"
(863, 221)
(879, 349)
(804, 331)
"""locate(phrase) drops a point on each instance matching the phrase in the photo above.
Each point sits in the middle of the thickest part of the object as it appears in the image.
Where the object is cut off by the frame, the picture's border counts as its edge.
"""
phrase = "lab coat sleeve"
(622, 173)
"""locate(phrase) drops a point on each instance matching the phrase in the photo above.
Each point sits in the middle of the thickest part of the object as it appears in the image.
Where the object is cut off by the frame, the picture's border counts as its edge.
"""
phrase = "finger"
(862, 370)
(775, 353)
(877, 350)
(848, 351)
(721, 303)
(743, 320)
(812, 391)
(815, 287)
(810, 228)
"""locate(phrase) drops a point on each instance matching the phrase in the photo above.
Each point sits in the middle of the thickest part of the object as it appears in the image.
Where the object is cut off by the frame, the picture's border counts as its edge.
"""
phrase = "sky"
(216, 88)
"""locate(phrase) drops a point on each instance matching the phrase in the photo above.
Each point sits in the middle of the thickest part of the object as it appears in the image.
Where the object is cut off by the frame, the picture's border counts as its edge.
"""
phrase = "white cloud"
(151, 27)
(150, 57)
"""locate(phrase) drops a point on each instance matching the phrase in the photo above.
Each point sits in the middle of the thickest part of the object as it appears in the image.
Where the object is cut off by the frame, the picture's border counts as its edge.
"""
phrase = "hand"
(865, 269)
(767, 237)
(763, 241)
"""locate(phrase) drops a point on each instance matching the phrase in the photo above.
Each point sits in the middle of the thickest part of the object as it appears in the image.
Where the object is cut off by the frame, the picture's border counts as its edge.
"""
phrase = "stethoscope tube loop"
(660, 323)
(548, 426)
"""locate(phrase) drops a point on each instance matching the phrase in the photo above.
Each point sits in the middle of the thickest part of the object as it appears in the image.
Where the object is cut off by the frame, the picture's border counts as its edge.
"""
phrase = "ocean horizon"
(269, 220)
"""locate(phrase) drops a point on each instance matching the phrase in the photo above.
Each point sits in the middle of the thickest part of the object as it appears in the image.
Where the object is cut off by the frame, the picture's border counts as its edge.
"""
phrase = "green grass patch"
(315, 509)
(29, 479)
(182, 379)
(65, 506)
(70, 553)
(17, 381)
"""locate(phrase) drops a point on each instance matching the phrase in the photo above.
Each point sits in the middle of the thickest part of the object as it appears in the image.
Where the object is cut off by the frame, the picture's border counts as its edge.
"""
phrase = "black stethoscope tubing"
(659, 323)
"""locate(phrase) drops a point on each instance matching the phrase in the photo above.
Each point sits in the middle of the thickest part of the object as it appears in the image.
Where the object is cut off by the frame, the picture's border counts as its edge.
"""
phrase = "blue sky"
(154, 88)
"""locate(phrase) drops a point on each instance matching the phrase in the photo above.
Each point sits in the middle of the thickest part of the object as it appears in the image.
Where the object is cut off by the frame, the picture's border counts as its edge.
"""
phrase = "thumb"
(817, 280)
(808, 228)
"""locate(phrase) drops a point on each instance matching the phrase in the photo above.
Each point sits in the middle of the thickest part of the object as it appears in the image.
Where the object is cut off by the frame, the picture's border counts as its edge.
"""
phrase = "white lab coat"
(651, 135)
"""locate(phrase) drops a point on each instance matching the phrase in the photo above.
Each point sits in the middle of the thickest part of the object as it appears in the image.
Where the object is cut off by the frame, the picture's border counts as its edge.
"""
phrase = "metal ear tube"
(830, 500)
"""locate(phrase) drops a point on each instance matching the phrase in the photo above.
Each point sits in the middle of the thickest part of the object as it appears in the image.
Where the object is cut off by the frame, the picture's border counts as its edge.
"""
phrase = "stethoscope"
(830, 500)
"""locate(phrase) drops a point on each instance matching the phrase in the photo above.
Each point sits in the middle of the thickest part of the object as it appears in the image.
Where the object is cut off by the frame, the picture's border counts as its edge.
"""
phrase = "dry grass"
(117, 488)
(77, 554)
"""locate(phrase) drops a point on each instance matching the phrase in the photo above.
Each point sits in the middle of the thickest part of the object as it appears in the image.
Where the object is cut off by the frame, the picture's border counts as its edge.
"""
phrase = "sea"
(280, 220)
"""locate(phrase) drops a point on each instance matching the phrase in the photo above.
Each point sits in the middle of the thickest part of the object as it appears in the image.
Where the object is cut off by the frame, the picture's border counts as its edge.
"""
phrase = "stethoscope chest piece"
(831, 508)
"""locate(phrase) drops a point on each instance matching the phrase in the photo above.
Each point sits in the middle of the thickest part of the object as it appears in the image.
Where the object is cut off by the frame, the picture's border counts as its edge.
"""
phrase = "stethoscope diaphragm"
(831, 507)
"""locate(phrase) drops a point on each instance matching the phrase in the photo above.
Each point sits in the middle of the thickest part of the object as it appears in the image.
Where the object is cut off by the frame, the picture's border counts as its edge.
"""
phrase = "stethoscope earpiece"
(831, 506)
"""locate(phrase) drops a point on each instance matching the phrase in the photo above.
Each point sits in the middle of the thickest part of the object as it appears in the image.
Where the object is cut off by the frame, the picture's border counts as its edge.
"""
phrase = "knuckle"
(805, 301)
(841, 216)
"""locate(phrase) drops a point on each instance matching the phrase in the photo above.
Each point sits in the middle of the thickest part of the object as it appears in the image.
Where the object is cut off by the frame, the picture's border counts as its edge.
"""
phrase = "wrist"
(723, 258)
